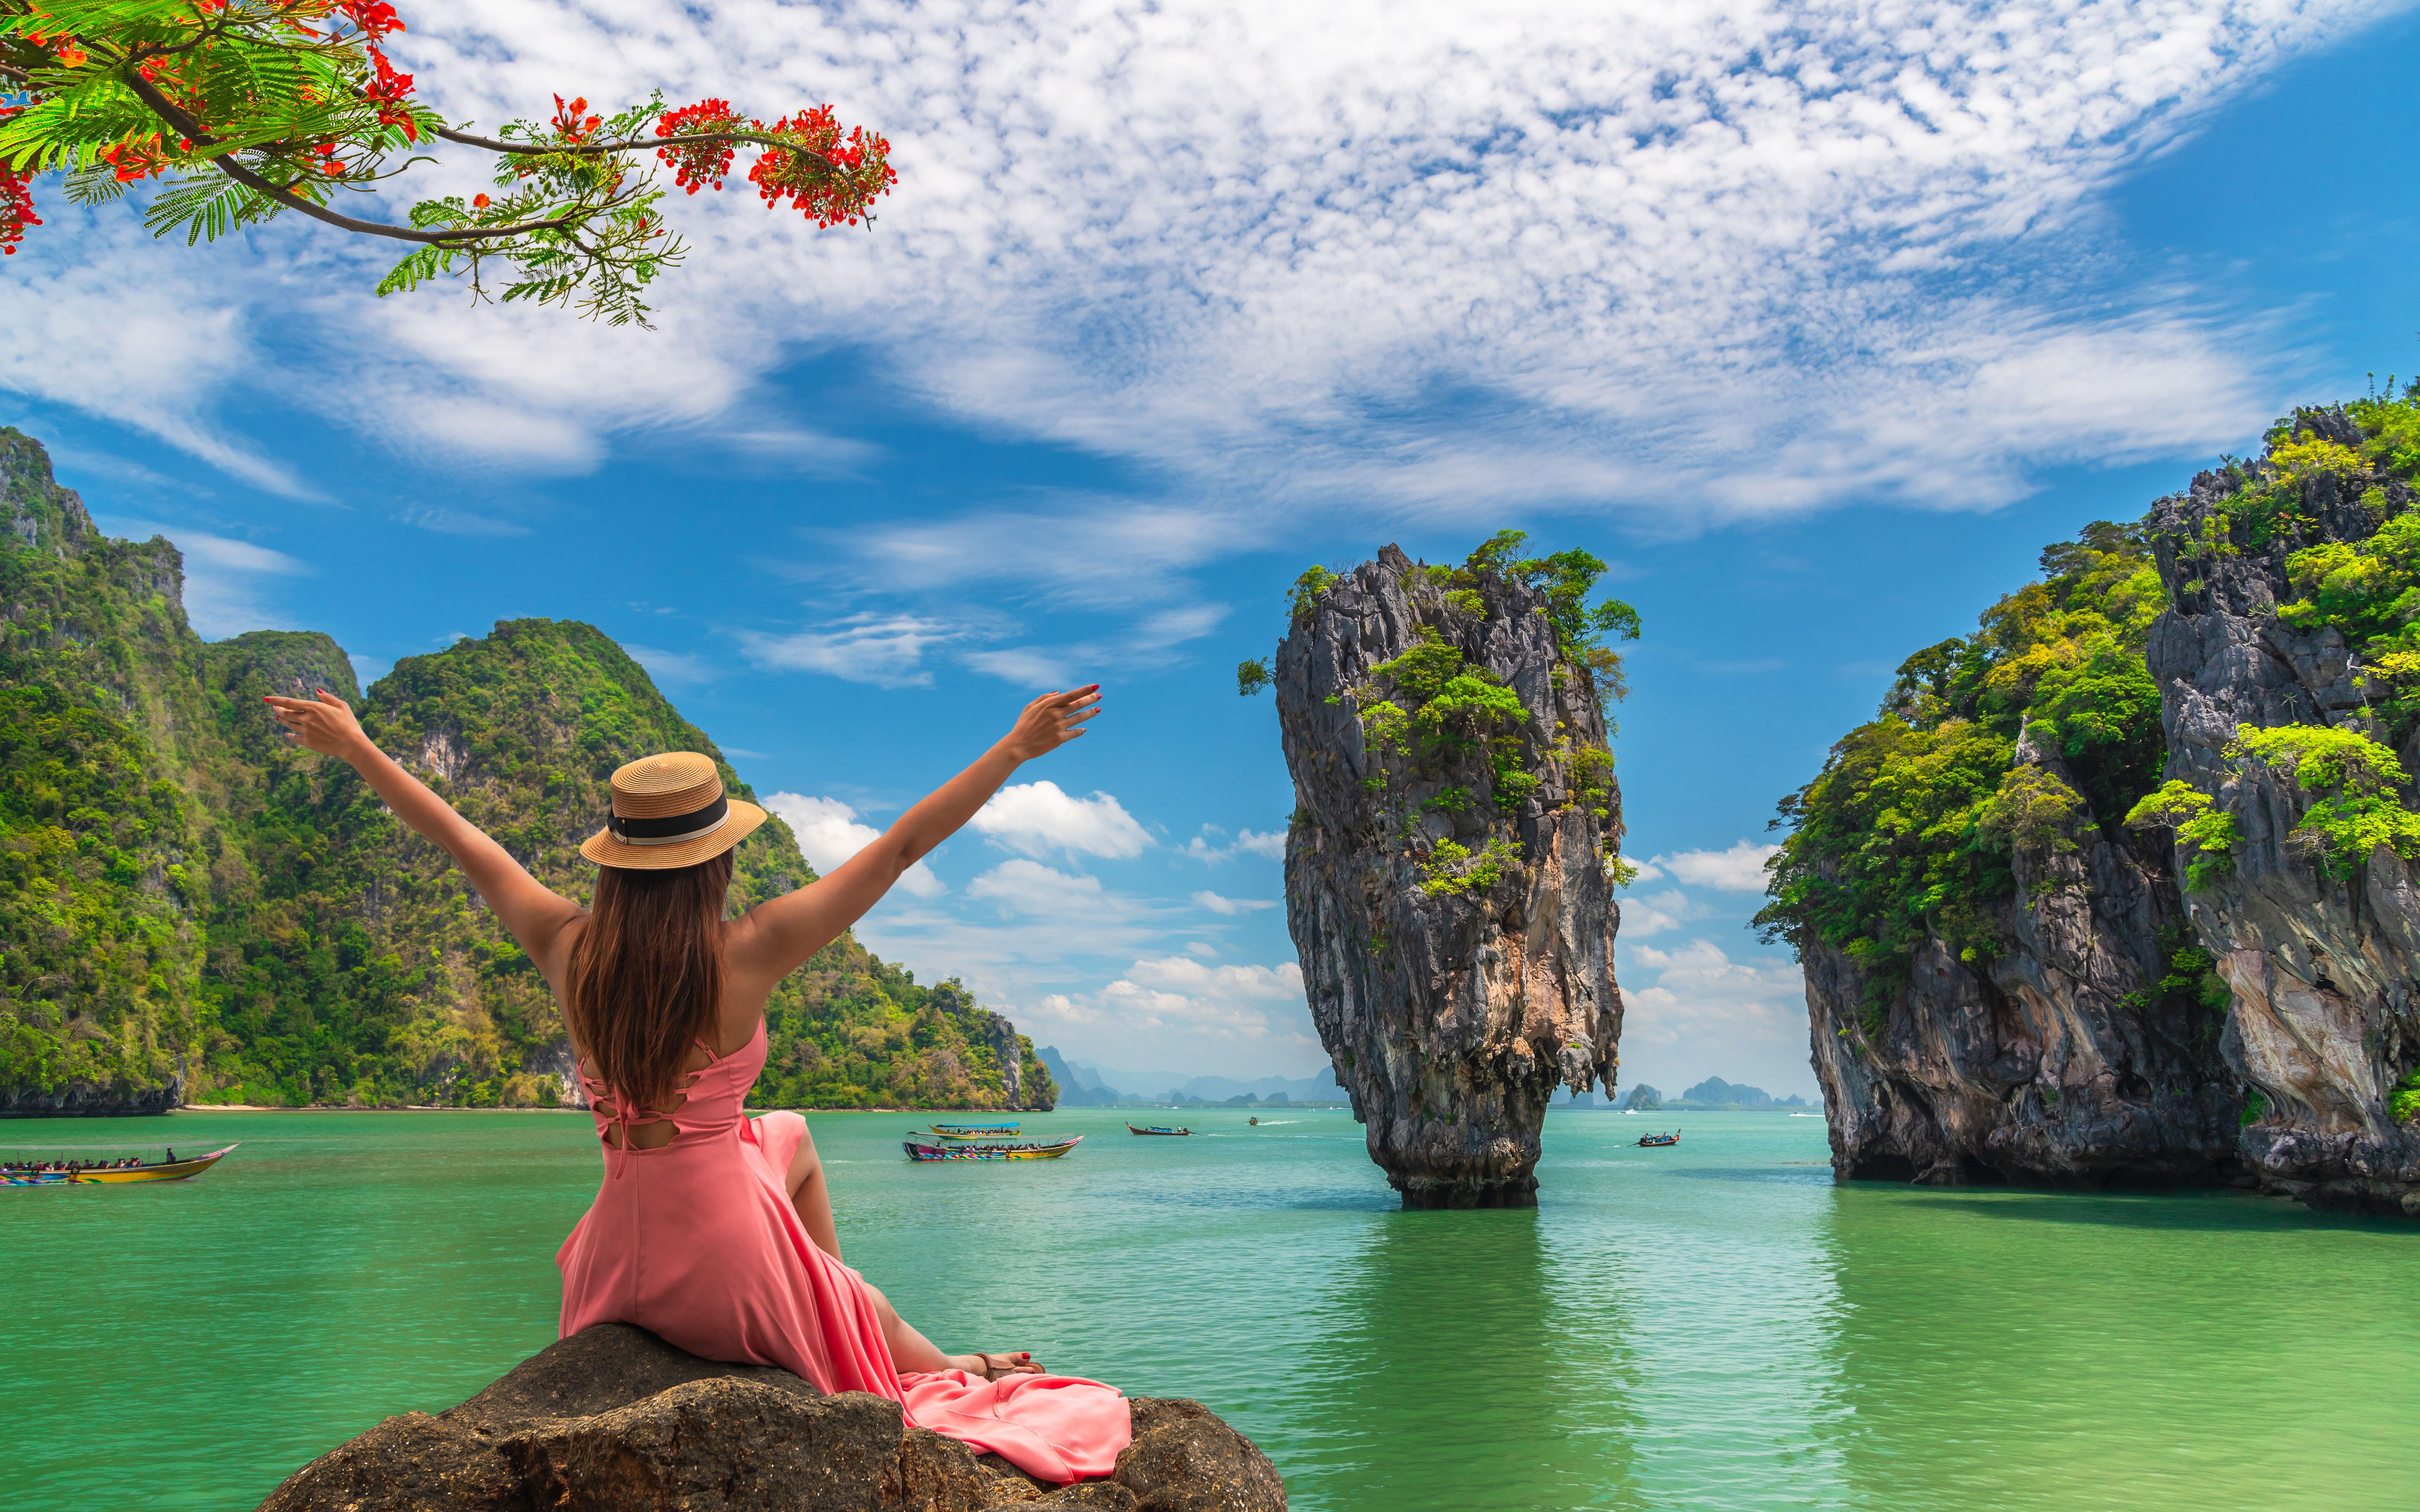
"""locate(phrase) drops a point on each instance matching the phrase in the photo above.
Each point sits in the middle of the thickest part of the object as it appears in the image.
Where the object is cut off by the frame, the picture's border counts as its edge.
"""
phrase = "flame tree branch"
(244, 110)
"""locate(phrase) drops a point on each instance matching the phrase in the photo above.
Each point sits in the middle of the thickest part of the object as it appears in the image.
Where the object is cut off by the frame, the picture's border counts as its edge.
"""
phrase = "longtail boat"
(29, 1173)
(1659, 1140)
(917, 1150)
(1157, 1129)
(977, 1131)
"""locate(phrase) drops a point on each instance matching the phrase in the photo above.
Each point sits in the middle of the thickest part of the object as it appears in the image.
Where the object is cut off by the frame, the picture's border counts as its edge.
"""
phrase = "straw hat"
(669, 810)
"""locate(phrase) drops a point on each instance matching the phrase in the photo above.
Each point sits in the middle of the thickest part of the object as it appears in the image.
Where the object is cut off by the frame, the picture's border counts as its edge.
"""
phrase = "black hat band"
(672, 829)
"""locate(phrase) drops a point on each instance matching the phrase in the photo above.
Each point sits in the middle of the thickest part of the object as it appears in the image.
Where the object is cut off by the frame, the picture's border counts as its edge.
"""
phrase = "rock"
(1185, 1460)
(2059, 1062)
(77, 1099)
(615, 1420)
(1451, 1003)
(730, 1445)
(2323, 972)
(1106, 1496)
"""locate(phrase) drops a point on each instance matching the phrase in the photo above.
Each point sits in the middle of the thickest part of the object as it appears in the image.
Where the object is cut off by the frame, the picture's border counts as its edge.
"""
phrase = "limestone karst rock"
(2324, 968)
(2000, 984)
(2057, 1060)
(1447, 866)
(615, 1420)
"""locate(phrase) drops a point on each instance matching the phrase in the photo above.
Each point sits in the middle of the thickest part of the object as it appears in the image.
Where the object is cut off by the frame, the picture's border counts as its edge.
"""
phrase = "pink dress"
(698, 1244)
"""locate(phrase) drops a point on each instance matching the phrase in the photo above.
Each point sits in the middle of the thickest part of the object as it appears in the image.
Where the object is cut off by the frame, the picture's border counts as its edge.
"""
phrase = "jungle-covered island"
(2122, 886)
(192, 909)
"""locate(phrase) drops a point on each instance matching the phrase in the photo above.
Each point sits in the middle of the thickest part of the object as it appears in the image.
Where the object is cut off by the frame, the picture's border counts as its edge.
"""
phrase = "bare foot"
(993, 1367)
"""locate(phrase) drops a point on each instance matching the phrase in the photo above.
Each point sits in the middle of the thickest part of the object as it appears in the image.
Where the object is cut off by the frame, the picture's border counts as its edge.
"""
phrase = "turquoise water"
(1708, 1328)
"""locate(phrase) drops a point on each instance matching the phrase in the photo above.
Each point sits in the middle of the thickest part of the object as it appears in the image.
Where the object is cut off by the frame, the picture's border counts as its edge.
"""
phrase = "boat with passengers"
(99, 1165)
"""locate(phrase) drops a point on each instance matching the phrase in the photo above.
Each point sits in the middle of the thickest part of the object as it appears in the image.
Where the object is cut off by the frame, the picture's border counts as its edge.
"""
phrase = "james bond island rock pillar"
(1448, 865)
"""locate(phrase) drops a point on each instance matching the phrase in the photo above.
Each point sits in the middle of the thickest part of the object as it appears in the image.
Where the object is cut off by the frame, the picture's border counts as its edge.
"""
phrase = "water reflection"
(2033, 1349)
(1454, 1377)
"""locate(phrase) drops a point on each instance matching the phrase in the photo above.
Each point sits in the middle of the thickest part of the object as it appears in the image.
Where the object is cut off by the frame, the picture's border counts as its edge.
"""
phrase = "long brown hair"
(646, 975)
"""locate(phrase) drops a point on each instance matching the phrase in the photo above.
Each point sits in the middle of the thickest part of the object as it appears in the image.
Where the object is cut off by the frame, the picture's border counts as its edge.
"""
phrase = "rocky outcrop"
(2060, 1061)
(615, 1420)
(2324, 972)
(90, 1100)
(1446, 871)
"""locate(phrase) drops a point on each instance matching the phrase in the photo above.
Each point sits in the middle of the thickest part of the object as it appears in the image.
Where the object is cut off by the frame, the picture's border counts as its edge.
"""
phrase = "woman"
(711, 1230)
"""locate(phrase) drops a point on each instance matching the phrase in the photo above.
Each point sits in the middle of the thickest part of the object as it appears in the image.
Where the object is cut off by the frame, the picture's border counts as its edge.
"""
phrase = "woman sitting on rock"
(714, 1230)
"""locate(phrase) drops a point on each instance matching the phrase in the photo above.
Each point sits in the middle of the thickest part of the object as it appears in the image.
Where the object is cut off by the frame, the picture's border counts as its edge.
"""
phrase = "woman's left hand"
(993, 1367)
(326, 725)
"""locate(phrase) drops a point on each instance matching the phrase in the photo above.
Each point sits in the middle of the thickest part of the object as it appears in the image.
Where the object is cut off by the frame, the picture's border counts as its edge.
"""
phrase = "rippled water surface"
(1711, 1327)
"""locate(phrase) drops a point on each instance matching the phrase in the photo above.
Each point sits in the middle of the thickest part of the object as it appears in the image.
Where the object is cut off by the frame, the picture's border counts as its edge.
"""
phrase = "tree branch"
(187, 127)
(529, 149)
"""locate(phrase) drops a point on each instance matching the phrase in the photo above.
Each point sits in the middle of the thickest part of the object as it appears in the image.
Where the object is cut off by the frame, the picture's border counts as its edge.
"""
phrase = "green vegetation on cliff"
(183, 889)
(1431, 702)
(1909, 832)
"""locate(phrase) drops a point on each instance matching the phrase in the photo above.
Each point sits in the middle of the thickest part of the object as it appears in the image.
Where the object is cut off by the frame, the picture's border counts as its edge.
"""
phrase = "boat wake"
(1273, 1123)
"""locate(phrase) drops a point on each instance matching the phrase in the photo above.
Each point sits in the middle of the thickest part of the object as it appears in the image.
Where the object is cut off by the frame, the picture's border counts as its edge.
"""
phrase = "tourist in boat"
(712, 1229)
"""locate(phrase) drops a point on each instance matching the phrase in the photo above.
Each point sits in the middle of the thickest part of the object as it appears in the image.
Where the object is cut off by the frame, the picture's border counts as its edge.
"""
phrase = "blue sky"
(1818, 328)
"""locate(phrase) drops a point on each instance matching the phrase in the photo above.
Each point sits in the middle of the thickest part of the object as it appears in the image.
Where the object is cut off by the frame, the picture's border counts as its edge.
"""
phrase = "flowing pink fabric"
(697, 1243)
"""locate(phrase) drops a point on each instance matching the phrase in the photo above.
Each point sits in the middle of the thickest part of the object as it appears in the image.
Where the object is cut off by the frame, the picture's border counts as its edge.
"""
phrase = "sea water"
(1712, 1326)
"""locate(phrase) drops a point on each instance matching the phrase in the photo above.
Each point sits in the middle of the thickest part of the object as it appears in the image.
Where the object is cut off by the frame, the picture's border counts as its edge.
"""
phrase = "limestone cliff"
(2322, 953)
(2000, 984)
(2060, 1058)
(1447, 868)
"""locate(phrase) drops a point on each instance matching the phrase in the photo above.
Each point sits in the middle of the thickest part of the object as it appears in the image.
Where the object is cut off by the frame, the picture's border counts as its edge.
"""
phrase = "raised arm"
(775, 938)
(535, 915)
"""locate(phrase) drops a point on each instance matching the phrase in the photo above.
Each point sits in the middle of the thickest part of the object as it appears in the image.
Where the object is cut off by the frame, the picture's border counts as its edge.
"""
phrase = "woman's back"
(696, 1241)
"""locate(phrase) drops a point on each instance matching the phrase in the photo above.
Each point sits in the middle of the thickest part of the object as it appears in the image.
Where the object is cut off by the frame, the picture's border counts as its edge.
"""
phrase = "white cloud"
(1692, 1011)
(1230, 906)
(1205, 847)
(887, 650)
(1658, 912)
(680, 668)
(1185, 994)
(1757, 260)
(1037, 819)
(1646, 872)
(1741, 869)
(446, 520)
(1031, 887)
(224, 579)
(828, 834)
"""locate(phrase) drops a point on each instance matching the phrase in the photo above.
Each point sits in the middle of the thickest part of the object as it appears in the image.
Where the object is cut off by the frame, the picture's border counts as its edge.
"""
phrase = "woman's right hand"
(1050, 721)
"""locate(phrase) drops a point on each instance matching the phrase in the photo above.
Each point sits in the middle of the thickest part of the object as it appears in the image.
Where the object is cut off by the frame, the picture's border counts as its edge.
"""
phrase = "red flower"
(832, 180)
(479, 202)
(699, 165)
(16, 200)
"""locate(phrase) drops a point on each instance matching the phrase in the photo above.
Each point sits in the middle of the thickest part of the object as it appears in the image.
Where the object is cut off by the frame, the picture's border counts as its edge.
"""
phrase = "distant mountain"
(1108, 1086)
(1644, 1098)
(1078, 1085)
(1175, 1087)
(1715, 1092)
